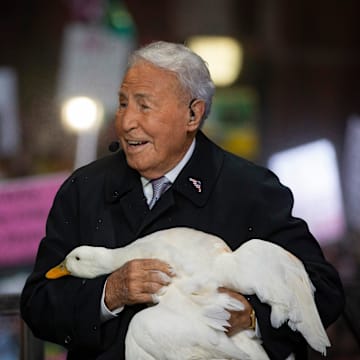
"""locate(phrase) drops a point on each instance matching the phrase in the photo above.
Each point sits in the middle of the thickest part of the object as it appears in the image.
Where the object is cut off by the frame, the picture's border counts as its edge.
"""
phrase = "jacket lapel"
(197, 179)
(166, 202)
(123, 188)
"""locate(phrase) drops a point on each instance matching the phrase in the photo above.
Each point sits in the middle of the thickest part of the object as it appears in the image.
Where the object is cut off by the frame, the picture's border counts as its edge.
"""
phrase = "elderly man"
(167, 174)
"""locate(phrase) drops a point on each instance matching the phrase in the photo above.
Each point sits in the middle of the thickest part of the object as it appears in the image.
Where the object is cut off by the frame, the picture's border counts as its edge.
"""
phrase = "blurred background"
(288, 97)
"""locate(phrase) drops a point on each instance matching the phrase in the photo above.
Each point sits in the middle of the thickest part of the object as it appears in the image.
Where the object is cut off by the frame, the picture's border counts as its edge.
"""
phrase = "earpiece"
(192, 113)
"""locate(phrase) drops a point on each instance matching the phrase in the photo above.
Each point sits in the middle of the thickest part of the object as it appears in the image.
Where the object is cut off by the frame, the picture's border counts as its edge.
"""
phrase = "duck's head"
(84, 261)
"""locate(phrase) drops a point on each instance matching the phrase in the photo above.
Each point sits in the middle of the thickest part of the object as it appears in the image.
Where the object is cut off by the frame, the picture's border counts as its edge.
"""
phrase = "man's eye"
(122, 105)
(144, 107)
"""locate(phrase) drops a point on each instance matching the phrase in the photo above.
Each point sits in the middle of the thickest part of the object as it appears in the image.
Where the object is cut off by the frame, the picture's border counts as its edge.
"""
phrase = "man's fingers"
(145, 292)
(137, 281)
(159, 276)
(156, 265)
(239, 320)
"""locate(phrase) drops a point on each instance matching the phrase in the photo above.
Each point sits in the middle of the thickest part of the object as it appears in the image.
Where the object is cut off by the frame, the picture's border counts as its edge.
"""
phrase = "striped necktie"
(159, 186)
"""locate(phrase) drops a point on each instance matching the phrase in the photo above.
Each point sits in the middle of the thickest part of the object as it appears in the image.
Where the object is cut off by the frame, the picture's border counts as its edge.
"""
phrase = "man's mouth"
(136, 142)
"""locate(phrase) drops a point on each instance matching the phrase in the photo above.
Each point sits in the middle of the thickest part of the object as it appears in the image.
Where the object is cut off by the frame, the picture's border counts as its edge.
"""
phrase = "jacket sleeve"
(271, 210)
(66, 310)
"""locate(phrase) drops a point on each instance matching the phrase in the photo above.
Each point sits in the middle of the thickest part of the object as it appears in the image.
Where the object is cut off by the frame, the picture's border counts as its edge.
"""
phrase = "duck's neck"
(119, 256)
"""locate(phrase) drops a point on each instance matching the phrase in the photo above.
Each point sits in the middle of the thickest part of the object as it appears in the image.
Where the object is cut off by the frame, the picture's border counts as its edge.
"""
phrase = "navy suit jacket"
(103, 204)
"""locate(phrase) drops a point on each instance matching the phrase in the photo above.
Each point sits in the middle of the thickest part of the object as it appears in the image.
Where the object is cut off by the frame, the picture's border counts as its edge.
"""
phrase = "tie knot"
(159, 186)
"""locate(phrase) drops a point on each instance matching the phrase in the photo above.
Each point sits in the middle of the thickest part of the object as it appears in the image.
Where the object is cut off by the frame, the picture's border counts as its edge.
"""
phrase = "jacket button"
(67, 340)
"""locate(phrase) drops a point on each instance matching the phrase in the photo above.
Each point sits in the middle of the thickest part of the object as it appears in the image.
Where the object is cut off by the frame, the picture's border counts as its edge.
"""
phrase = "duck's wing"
(215, 314)
(279, 279)
(174, 330)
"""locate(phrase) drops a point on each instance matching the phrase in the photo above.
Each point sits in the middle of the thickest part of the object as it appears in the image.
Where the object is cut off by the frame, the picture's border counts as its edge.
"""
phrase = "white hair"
(190, 69)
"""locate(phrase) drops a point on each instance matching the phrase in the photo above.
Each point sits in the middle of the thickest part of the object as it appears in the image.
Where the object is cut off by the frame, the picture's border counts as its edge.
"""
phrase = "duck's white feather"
(190, 319)
(279, 279)
(170, 331)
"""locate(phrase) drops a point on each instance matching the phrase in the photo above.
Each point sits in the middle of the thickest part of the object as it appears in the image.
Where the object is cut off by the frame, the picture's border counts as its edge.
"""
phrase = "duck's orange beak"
(57, 272)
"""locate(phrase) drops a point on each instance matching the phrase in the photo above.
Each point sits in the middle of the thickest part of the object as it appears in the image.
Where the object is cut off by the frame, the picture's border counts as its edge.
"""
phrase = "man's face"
(152, 121)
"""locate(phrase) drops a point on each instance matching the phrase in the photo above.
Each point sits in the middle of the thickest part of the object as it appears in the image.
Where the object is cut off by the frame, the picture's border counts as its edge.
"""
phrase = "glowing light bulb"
(81, 113)
(224, 56)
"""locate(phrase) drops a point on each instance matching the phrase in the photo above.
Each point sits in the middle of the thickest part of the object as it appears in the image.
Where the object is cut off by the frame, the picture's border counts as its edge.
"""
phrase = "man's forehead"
(144, 89)
(123, 93)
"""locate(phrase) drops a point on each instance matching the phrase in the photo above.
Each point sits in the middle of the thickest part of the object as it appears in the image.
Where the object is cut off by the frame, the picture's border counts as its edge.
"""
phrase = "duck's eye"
(77, 258)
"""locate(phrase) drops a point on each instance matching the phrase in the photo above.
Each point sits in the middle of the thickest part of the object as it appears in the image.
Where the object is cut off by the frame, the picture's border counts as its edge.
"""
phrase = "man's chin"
(140, 167)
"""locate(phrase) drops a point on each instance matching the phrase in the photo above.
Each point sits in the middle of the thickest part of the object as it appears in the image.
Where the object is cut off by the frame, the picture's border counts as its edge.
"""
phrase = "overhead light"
(224, 56)
(81, 113)
(84, 116)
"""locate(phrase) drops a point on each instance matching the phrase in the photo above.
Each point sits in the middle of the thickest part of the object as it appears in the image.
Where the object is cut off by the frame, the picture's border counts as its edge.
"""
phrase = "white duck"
(190, 319)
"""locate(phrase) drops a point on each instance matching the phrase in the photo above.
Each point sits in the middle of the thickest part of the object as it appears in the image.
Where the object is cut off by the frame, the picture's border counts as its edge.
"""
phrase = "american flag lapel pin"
(196, 183)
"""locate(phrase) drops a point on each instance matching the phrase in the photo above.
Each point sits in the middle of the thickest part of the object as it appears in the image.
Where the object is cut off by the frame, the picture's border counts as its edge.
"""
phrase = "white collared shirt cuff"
(105, 313)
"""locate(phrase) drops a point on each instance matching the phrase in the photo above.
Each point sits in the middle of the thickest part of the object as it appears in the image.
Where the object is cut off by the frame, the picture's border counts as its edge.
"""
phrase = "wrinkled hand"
(136, 282)
(239, 320)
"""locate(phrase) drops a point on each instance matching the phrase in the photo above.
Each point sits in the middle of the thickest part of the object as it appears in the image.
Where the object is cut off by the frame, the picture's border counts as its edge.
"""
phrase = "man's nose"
(128, 119)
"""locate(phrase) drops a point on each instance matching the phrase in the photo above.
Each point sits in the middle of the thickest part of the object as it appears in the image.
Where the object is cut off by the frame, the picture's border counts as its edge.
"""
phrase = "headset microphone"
(114, 146)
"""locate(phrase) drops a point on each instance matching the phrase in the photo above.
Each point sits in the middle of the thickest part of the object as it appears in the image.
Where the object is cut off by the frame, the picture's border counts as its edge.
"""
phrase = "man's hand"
(136, 282)
(239, 320)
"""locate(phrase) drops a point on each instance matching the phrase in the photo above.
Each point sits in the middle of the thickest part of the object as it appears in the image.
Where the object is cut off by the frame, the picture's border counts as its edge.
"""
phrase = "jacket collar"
(200, 174)
(120, 179)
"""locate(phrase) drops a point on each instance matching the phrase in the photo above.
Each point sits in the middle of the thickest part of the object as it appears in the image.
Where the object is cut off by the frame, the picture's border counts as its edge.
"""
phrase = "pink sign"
(24, 207)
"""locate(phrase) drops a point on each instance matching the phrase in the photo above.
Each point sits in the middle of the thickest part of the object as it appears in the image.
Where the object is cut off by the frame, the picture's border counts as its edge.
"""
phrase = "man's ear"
(196, 112)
